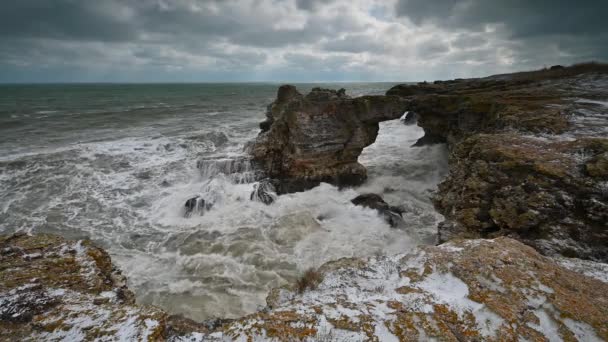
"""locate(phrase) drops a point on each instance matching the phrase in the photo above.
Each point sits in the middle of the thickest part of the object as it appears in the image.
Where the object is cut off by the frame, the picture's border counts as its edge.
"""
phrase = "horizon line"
(190, 82)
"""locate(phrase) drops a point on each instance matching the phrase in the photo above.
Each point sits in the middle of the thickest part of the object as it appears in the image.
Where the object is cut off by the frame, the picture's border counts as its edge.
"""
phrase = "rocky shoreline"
(528, 151)
(525, 200)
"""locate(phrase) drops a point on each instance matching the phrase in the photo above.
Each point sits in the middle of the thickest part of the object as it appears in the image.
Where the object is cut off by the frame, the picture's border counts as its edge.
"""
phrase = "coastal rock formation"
(317, 138)
(466, 290)
(528, 151)
(528, 156)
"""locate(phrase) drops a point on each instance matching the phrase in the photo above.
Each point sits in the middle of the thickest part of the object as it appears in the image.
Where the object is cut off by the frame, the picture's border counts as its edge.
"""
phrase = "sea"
(115, 163)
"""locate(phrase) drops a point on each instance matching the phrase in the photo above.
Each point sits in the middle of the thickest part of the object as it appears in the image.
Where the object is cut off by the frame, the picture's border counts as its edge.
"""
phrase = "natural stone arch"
(319, 137)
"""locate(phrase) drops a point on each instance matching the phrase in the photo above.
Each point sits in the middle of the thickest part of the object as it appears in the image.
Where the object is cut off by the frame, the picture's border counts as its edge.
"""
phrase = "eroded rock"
(317, 138)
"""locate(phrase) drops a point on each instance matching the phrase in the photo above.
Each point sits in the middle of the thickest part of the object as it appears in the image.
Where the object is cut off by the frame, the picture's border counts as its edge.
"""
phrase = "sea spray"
(122, 179)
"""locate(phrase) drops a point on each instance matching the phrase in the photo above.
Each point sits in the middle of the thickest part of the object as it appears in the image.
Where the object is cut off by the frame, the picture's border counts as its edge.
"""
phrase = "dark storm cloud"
(523, 18)
(65, 19)
(279, 39)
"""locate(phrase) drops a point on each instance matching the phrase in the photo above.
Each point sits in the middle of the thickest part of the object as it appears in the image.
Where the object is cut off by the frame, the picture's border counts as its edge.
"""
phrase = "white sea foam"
(128, 195)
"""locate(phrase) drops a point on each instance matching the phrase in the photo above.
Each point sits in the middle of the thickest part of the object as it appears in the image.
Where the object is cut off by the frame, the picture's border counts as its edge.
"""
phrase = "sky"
(293, 40)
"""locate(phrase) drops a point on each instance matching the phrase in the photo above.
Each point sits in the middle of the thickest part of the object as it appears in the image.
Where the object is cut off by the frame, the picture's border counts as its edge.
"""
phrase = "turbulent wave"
(127, 193)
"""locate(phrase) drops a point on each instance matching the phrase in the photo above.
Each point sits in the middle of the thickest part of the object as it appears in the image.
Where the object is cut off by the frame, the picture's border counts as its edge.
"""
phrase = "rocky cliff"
(528, 156)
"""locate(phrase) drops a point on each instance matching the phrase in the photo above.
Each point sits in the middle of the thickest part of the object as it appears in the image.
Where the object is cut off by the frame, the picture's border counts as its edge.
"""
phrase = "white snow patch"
(547, 326)
(589, 268)
(582, 331)
(383, 334)
(449, 289)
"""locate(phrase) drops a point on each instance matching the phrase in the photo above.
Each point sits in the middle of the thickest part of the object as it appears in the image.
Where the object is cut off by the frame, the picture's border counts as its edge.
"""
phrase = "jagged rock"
(264, 192)
(391, 214)
(490, 290)
(373, 201)
(317, 138)
(528, 188)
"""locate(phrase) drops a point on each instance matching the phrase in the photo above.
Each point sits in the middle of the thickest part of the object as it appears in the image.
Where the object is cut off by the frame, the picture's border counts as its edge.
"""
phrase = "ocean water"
(115, 163)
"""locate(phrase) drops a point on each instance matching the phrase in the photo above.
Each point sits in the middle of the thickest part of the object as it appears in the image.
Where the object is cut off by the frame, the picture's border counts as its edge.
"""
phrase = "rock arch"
(318, 137)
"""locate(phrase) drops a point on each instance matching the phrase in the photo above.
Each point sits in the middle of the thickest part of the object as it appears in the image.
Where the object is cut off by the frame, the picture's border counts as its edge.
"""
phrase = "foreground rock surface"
(57, 290)
(466, 290)
(528, 156)
(317, 138)
(53, 290)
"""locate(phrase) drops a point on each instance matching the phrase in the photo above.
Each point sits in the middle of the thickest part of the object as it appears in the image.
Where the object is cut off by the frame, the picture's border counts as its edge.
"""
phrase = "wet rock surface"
(317, 138)
(391, 214)
(264, 192)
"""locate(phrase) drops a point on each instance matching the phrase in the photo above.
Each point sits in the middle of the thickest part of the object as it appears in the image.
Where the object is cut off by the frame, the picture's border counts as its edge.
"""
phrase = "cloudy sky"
(292, 40)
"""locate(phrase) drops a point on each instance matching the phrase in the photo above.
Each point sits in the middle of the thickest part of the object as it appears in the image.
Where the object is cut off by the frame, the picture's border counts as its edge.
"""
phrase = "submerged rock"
(317, 138)
(196, 204)
(391, 214)
(491, 290)
(264, 192)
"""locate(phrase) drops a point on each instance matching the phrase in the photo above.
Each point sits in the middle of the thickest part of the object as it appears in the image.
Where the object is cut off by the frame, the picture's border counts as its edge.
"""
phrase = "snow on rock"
(491, 290)
(467, 290)
(57, 290)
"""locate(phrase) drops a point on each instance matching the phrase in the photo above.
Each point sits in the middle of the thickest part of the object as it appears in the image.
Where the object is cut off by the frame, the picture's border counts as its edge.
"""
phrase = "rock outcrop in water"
(528, 156)
(495, 290)
(318, 137)
(391, 214)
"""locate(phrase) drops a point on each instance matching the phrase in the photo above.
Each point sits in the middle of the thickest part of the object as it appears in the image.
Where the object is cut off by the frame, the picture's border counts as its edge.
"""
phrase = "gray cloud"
(524, 18)
(292, 39)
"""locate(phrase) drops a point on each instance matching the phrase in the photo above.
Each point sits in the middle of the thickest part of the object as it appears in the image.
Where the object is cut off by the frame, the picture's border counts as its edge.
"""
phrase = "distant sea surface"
(116, 162)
